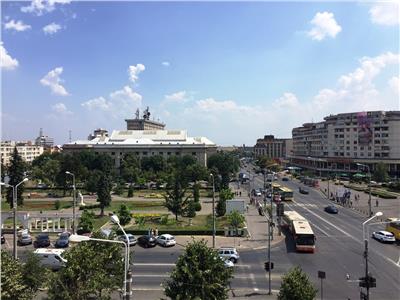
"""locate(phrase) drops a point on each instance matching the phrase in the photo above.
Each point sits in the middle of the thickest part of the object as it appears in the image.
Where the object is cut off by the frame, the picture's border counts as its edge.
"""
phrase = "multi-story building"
(273, 148)
(26, 150)
(341, 141)
(145, 143)
(43, 140)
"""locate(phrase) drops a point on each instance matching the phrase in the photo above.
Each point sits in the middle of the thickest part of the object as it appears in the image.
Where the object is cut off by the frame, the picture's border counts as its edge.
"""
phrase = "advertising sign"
(364, 129)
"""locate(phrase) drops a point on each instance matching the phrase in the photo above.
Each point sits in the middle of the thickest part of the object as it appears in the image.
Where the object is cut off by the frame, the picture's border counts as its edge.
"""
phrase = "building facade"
(43, 140)
(145, 143)
(26, 150)
(341, 141)
(272, 147)
(143, 124)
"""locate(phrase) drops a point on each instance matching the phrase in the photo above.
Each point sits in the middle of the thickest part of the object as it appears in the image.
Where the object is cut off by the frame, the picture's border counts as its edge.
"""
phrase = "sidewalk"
(389, 207)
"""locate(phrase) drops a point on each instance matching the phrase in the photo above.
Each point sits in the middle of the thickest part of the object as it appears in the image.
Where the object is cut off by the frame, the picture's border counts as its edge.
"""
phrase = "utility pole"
(128, 285)
(269, 257)
(213, 209)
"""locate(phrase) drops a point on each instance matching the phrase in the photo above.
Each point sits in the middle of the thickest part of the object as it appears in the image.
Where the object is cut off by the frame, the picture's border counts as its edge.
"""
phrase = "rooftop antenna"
(41, 132)
(70, 140)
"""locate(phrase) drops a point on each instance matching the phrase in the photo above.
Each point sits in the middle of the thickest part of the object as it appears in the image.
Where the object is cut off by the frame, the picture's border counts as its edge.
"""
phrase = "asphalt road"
(339, 249)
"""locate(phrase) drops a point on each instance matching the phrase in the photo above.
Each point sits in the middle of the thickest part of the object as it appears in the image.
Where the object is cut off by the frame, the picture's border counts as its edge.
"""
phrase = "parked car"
(166, 240)
(285, 179)
(42, 241)
(131, 238)
(228, 263)
(3, 240)
(303, 191)
(147, 241)
(63, 240)
(229, 253)
(51, 258)
(331, 209)
(24, 239)
(384, 236)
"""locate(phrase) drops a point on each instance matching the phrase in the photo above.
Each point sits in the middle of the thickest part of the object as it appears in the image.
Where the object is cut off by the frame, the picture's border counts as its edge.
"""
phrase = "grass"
(100, 221)
(37, 205)
(200, 222)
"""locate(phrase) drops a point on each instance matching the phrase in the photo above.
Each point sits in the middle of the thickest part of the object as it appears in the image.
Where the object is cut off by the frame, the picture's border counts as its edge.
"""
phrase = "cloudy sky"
(232, 72)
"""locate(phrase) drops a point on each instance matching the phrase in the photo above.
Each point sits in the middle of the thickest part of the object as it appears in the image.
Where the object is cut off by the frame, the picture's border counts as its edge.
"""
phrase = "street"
(339, 249)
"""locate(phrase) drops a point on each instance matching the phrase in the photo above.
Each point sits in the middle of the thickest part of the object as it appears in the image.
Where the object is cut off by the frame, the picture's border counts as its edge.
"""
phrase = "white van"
(51, 258)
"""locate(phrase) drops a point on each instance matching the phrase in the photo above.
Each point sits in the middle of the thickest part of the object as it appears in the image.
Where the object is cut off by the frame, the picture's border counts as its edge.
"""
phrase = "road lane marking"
(350, 236)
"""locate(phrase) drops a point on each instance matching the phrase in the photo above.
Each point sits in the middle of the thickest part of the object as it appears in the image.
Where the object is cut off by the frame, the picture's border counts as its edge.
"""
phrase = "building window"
(160, 153)
(168, 153)
(144, 153)
(112, 153)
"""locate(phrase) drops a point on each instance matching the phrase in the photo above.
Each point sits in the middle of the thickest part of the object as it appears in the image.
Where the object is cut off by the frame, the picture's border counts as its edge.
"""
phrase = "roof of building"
(146, 137)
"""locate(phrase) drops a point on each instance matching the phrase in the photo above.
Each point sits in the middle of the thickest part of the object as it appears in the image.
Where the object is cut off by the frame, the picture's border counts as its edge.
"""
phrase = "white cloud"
(288, 100)
(134, 71)
(385, 14)
(178, 97)
(53, 80)
(355, 91)
(394, 84)
(39, 7)
(6, 61)
(325, 25)
(61, 109)
(120, 103)
(17, 26)
(51, 28)
(165, 63)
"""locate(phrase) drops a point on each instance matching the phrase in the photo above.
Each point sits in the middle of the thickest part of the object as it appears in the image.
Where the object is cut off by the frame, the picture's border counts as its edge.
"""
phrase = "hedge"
(174, 232)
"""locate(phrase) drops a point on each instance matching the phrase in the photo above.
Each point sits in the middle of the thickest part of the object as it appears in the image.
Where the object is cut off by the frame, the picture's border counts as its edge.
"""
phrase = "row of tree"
(94, 270)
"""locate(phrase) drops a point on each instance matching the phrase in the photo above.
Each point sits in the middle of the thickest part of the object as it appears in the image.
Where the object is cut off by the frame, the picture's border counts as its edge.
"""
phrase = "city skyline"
(251, 69)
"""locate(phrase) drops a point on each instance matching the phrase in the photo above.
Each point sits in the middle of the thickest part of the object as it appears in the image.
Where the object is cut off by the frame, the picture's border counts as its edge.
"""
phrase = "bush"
(130, 191)
(124, 214)
(57, 204)
(220, 208)
(93, 206)
(86, 222)
(191, 209)
(119, 189)
(197, 206)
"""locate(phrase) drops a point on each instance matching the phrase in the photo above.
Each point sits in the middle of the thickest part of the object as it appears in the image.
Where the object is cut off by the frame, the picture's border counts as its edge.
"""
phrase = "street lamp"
(74, 238)
(213, 209)
(378, 214)
(369, 198)
(14, 209)
(74, 201)
(115, 220)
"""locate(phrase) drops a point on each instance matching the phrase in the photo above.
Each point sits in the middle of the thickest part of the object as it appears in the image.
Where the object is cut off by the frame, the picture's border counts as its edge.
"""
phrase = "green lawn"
(37, 205)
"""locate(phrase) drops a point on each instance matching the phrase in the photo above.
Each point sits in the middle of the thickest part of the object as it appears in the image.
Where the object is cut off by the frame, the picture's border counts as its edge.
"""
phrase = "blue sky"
(232, 72)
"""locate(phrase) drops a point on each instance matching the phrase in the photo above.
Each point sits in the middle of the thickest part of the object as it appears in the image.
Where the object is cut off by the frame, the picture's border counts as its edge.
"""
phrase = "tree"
(130, 168)
(93, 181)
(12, 281)
(130, 191)
(124, 214)
(199, 274)
(94, 271)
(227, 164)
(224, 194)
(16, 172)
(86, 222)
(33, 273)
(191, 209)
(296, 286)
(381, 172)
(104, 192)
(175, 200)
(236, 220)
(196, 192)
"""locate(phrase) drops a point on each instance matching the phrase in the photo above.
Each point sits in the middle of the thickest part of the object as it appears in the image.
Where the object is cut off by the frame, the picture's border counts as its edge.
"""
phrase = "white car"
(384, 236)
(228, 253)
(131, 237)
(228, 263)
(166, 240)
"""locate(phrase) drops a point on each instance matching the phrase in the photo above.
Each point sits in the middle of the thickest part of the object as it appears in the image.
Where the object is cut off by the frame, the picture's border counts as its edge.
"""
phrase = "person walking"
(376, 203)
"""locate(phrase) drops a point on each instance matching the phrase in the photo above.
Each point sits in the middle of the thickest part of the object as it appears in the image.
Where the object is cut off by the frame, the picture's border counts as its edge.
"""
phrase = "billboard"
(364, 129)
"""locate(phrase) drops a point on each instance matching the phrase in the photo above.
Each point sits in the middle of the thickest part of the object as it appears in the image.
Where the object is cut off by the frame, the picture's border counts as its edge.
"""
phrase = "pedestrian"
(247, 207)
(376, 203)
(156, 232)
(152, 232)
(240, 193)
(351, 203)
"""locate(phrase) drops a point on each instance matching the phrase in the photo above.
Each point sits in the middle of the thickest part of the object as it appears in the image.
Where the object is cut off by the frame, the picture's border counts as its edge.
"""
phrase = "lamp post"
(115, 220)
(14, 209)
(73, 199)
(213, 209)
(74, 238)
(369, 187)
(378, 214)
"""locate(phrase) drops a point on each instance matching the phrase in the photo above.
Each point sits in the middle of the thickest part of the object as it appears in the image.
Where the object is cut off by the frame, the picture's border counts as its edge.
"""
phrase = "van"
(51, 258)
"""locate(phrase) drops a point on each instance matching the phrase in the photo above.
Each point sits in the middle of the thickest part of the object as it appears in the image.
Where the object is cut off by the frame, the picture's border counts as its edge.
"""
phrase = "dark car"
(147, 241)
(42, 241)
(303, 191)
(331, 209)
(3, 240)
(285, 179)
(63, 240)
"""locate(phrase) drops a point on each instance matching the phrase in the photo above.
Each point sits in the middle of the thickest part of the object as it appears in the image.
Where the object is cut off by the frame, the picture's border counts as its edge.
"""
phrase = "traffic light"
(267, 265)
